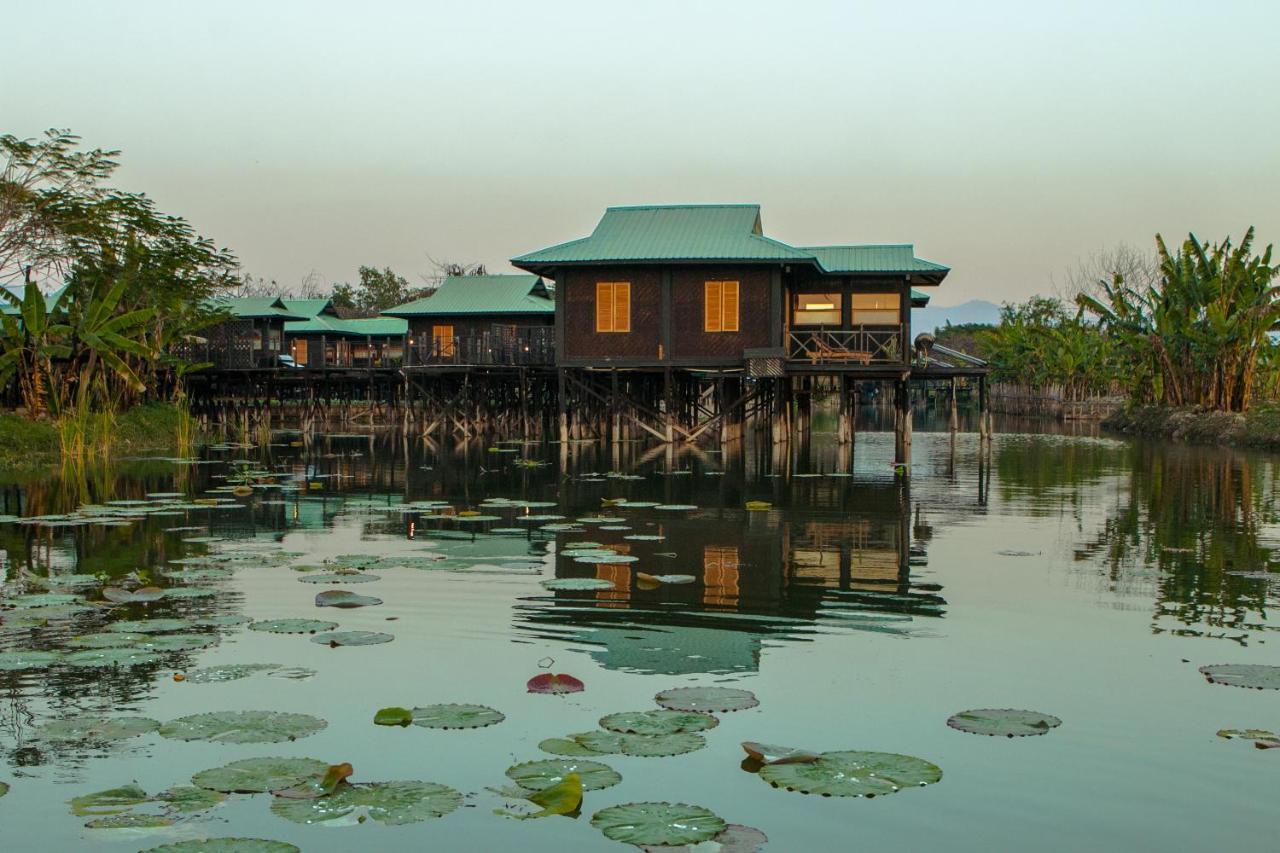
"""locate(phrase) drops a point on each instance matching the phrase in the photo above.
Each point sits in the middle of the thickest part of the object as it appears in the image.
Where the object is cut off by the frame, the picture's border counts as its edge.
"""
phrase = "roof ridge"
(860, 246)
(683, 206)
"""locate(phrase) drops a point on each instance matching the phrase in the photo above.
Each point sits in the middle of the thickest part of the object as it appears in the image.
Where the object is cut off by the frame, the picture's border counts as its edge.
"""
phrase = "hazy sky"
(1007, 139)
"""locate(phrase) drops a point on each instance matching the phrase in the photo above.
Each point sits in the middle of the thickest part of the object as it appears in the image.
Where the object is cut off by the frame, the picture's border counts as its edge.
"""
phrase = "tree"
(442, 269)
(376, 291)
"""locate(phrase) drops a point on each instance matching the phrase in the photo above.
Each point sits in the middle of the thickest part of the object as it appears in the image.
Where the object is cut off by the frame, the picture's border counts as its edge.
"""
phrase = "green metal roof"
(309, 307)
(7, 307)
(256, 307)
(324, 324)
(694, 232)
(919, 299)
(872, 258)
(482, 294)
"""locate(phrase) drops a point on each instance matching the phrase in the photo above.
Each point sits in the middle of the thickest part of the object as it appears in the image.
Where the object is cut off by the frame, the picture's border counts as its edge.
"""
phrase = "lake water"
(1079, 576)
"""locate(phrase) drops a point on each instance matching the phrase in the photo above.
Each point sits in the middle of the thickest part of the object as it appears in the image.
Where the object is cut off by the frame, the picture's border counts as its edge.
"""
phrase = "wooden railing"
(863, 345)
(534, 345)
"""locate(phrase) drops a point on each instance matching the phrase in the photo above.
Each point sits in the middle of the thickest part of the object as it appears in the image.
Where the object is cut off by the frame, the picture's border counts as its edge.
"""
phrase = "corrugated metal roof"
(324, 324)
(255, 307)
(482, 294)
(7, 307)
(870, 258)
(702, 232)
(919, 299)
(308, 307)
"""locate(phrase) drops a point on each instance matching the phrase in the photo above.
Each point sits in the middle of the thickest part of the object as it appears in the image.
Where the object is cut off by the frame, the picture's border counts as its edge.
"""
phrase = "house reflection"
(760, 577)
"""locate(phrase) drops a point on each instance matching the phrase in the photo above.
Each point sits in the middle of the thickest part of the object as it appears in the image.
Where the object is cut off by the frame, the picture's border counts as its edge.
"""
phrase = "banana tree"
(31, 340)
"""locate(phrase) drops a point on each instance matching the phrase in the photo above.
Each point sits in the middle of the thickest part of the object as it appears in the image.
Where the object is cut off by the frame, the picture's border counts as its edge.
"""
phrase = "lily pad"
(676, 507)
(189, 592)
(567, 746)
(1003, 722)
(189, 798)
(554, 684)
(658, 823)
(538, 775)
(853, 774)
(259, 775)
(663, 722)
(151, 626)
(1255, 676)
(456, 716)
(131, 596)
(339, 577)
(577, 584)
(707, 699)
(764, 753)
(393, 716)
(177, 642)
(4, 788)
(110, 801)
(345, 599)
(28, 660)
(104, 640)
(226, 845)
(292, 626)
(44, 599)
(352, 638)
(736, 838)
(111, 657)
(130, 821)
(97, 728)
(392, 803)
(242, 727)
(641, 746)
(226, 672)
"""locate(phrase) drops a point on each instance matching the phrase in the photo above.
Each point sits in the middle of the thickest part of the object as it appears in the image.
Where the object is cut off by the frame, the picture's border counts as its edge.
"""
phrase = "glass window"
(876, 309)
(442, 341)
(817, 309)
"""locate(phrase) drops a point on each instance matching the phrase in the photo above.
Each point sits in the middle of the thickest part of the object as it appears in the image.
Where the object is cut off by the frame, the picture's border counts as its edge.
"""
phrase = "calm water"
(1075, 575)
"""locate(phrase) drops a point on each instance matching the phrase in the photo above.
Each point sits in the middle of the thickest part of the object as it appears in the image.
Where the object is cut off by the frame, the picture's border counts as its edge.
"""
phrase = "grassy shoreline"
(1259, 427)
(25, 443)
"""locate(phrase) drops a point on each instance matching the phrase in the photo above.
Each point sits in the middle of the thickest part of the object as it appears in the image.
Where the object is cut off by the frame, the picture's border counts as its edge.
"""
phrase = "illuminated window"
(817, 309)
(613, 306)
(299, 351)
(442, 341)
(720, 301)
(876, 309)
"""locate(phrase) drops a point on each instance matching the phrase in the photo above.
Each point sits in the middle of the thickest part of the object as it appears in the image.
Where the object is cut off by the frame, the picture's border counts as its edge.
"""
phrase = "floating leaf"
(454, 716)
(110, 801)
(27, 659)
(46, 599)
(227, 672)
(314, 789)
(658, 722)
(151, 626)
(1252, 675)
(577, 584)
(242, 727)
(758, 506)
(853, 774)
(538, 775)
(707, 699)
(123, 596)
(764, 753)
(352, 638)
(345, 599)
(111, 657)
(658, 823)
(188, 798)
(393, 717)
(339, 577)
(130, 821)
(1003, 722)
(676, 507)
(567, 746)
(562, 798)
(177, 642)
(4, 788)
(392, 803)
(641, 746)
(259, 775)
(554, 684)
(189, 592)
(292, 626)
(97, 728)
(226, 845)
(104, 640)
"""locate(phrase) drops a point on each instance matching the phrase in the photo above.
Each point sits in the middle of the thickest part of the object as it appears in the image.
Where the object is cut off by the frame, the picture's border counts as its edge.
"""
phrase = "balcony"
(526, 346)
(861, 346)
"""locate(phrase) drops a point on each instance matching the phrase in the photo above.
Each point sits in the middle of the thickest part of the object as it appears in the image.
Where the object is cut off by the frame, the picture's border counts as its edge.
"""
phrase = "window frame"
(443, 332)
(715, 316)
(610, 295)
(854, 310)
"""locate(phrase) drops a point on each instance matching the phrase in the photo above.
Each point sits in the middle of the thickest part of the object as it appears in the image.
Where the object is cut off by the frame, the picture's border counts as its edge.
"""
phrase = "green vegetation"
(1195, 332)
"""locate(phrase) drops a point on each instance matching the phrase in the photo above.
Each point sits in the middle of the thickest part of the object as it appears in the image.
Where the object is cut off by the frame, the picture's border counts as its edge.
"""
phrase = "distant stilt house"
(701, 286)
(482, 320)
(251, 337)
(324, 339)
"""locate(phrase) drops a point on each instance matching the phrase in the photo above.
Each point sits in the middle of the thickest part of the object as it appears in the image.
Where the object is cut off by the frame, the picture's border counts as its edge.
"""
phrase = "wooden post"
(844, 412)
(984, 422)
(955, 408)
(669, 404)
(902, 425)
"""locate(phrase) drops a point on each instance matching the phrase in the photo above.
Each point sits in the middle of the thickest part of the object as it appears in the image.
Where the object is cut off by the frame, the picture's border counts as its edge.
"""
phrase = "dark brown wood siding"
(582, 341)
(473, 325)
(688, 336)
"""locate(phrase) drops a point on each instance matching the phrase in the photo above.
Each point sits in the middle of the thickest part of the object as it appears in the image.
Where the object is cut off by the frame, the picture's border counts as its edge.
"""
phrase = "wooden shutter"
(604, 306)
(443, 339)
(712, 293)
(622, 306)
(729, 306)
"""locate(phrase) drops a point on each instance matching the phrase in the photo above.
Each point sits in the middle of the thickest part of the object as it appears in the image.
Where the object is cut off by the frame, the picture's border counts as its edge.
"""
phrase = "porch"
(502, 346)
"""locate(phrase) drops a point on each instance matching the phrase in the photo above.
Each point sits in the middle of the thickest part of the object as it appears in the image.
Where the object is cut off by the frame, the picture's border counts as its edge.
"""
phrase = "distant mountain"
(973, 311)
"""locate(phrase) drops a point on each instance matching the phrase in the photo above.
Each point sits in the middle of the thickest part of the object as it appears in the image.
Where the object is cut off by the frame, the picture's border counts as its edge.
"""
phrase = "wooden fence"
(1052, 401)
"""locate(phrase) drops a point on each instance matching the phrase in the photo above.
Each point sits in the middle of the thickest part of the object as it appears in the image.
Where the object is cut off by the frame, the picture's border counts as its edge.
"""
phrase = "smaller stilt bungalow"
(252, 336)
(481, 320)
(324, 339)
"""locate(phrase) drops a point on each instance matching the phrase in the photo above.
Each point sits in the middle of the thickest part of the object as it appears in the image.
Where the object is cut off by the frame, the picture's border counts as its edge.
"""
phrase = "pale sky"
(1006, 139)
